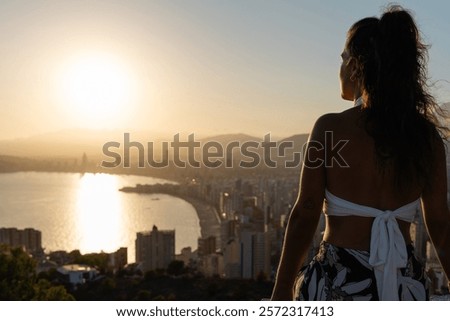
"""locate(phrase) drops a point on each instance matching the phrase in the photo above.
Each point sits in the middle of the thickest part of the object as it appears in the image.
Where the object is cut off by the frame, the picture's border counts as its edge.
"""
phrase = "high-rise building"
(206, 246)
(155, 249)
(232, 259)
(261, 254)
(255, 254)
(212, 265)
(187, 256)
(118, 259)
(28, 238)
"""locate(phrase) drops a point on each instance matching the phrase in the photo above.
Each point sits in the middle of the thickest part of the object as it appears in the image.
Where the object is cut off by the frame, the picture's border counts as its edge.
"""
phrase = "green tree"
(175, 268)
(98, 260)
(45, 291)
(17, 274)
(74, 255)
(18, 279)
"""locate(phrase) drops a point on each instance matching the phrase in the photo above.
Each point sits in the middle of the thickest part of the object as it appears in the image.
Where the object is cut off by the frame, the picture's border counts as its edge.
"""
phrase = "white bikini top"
(387, 246)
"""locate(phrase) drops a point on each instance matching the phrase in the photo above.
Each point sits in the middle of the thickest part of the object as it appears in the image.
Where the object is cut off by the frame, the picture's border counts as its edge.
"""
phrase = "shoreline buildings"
(29, 239)
(155, 249)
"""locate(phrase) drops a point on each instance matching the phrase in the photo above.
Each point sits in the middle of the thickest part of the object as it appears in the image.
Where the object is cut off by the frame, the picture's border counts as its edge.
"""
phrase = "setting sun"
(96, 87)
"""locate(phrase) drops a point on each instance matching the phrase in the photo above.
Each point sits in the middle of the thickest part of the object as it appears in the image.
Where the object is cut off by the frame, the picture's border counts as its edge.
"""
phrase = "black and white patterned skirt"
(337, 273)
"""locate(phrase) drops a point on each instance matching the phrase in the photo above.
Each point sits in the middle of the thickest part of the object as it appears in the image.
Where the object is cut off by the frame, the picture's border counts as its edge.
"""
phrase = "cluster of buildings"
(29, 239)
(247, 239)
(252, 217)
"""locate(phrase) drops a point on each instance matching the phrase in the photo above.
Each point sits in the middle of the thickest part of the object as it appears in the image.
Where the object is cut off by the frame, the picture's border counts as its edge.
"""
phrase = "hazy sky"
(208, 67)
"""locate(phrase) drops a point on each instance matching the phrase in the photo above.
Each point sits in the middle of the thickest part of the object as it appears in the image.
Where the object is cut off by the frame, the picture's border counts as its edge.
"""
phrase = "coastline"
(208, 217)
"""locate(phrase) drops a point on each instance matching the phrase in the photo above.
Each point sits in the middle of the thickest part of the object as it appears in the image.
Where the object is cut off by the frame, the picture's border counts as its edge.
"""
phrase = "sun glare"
(96, 88)
(99, 216)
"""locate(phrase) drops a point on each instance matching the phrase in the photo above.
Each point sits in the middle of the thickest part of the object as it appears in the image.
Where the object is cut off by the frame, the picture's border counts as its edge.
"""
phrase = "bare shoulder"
(325, 122)
(332, 121)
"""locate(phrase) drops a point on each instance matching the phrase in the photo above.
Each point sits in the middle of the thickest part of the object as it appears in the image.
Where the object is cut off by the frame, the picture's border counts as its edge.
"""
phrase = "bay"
(88, 212)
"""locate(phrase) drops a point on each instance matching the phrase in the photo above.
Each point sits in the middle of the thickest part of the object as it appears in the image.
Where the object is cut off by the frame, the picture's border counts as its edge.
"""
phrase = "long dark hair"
(401, 114)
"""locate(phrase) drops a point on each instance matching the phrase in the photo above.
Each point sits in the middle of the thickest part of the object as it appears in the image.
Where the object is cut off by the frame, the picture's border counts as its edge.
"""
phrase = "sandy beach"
(208, 216)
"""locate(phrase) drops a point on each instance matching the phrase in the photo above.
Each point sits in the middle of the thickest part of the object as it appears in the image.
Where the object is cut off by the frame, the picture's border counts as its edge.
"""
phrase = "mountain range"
(74, 143)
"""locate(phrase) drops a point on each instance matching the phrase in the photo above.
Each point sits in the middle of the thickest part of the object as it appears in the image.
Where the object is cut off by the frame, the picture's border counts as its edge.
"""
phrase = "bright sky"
(208, 67)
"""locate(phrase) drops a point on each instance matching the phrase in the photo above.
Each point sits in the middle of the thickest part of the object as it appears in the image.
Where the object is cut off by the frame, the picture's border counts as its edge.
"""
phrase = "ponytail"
(401, 113)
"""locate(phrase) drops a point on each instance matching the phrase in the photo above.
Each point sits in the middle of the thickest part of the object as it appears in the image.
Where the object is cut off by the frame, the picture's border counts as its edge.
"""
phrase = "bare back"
(360, 182)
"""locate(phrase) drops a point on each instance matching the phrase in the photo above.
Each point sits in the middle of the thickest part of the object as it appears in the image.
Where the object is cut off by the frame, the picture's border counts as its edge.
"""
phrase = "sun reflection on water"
(99, 217)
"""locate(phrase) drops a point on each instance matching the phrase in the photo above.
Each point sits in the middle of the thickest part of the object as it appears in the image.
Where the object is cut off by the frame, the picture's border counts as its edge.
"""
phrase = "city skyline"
(153, 148)
(247, 238)
(185, 66)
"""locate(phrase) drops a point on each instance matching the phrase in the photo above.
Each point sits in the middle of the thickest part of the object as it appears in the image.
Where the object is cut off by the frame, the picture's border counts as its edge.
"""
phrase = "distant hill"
(68, 143)
(298, 141)
(75, 142)
(227, 138)
(251, 148)
(64, 149)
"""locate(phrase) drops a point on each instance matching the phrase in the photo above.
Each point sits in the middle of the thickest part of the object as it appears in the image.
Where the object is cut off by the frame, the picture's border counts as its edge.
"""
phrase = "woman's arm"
(435, 208)
(305, 214)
